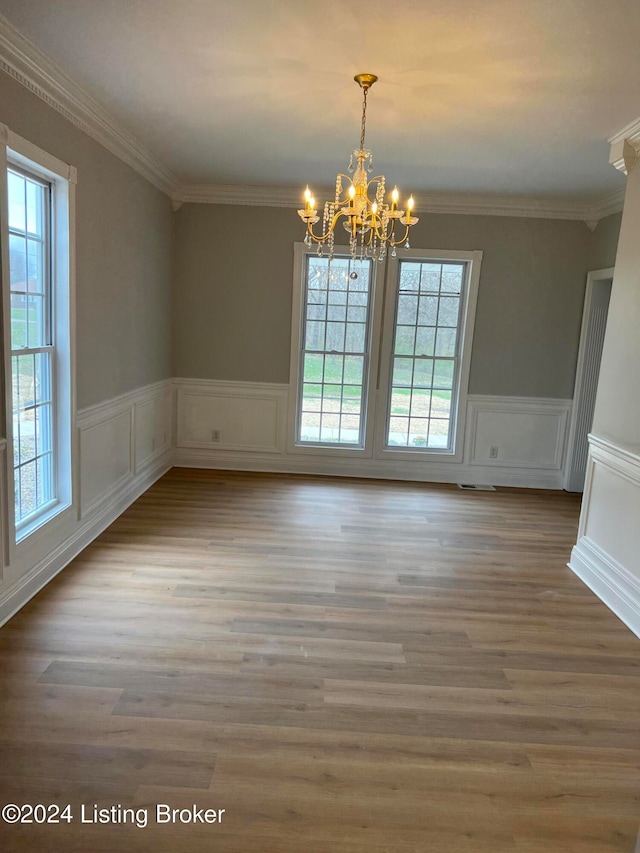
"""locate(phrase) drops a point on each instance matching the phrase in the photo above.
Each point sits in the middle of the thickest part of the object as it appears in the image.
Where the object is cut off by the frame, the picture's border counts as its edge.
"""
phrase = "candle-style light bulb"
(374, 207)
(395, 195)
(312, 202)
(410, 204)
(307, 194)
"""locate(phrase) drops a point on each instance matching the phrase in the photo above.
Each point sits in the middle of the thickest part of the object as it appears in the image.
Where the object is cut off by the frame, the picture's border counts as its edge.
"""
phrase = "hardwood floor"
(340, 665)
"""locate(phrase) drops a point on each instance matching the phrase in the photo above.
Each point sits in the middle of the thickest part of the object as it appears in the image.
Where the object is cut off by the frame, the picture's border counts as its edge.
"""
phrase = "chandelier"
(370, 221)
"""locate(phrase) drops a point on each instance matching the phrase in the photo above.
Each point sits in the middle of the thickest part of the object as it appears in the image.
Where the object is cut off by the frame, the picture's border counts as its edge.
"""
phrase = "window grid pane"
(334, 352)
(425, 357)
(31, 343)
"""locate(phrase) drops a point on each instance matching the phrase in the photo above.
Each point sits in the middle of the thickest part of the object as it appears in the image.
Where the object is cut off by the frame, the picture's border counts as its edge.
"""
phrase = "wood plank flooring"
(340, 665)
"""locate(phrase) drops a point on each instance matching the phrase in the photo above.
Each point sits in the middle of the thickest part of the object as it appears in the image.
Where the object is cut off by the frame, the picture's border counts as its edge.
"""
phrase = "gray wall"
(124, 252)
(233, 283)
(232, 292)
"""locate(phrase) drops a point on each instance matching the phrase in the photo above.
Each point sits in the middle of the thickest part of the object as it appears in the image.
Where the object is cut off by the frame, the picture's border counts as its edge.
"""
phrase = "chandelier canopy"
(369, 219)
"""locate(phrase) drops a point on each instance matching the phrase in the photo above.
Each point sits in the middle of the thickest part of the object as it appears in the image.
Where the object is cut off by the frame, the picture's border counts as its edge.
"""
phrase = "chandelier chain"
(364, 118)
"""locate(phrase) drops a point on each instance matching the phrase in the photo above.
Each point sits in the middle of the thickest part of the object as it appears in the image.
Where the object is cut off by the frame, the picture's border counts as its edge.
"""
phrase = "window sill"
(44, 516)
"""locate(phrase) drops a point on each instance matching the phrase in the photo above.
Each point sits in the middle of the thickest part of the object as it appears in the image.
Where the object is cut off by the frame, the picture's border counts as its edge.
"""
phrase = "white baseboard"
(17, 595)
(369, 469)
(611, 582)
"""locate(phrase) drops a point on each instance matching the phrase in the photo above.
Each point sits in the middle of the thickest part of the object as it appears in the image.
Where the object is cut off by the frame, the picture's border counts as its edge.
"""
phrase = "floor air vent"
(476, 488)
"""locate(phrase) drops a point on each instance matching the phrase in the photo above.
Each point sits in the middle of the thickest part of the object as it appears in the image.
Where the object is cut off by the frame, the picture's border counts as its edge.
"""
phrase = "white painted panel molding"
(106, 459)
(112, 476)
(523, 432)
(607, 554)
(226, 416)
(121, 438)
(529, 433)
(152, 427)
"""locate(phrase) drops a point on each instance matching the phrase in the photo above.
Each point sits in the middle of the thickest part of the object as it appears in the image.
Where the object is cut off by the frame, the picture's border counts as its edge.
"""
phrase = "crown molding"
(29, 66)
(625, 147)
(23, 61)
(477, 205)
(252, 196)
(606, 206)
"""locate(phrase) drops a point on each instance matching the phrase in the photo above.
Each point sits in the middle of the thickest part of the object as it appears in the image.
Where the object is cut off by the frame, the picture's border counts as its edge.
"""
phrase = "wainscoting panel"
(524, 432)
(227, 416)
(125, 446)
(152, 425)
(242, 426)
(106, 458)
(607, 554)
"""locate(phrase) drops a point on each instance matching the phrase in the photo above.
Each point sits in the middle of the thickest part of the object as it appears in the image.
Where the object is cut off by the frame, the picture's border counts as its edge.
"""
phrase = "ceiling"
(507, 97)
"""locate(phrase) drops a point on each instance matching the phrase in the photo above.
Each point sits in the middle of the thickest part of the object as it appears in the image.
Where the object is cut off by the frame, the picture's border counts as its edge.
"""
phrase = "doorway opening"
(594, 324)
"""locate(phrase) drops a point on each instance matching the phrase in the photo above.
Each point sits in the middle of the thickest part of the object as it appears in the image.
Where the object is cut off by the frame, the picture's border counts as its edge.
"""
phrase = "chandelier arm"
(323, 237)
(403, 239)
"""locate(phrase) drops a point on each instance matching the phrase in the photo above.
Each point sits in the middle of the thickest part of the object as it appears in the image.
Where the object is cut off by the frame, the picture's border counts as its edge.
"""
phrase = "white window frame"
(384, 291)
(300, 254)
(14, 150)
(472, 261)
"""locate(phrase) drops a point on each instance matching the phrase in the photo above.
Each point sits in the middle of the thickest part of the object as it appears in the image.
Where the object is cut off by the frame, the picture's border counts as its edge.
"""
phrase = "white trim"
(587, 342)
(469, 297)
(630, 131)
(611, 582)
(376, 300)
(606, 206)
(624, 460)
(625, 147)
(377, 469)
(23, 61)
(24, 541)
(231, 385)
(485, 204)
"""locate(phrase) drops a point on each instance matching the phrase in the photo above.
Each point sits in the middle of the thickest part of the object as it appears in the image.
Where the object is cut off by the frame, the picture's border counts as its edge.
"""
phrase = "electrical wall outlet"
(215, 435)
(493, 452)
